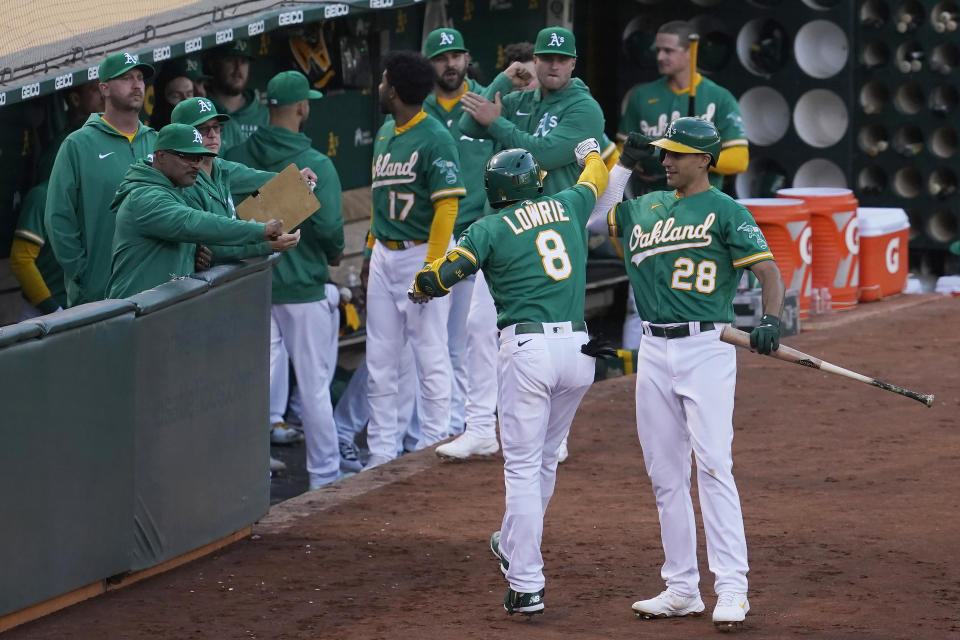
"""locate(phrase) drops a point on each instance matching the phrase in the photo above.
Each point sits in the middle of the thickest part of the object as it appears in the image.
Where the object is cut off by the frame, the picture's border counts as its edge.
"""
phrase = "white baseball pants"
(685, 397)
(482, 347)
(308, 333)
(392, 322)
(457, 337)
(543, 377)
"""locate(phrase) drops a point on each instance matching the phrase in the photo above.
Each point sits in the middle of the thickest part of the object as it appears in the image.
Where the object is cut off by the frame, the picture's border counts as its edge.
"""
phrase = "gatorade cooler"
(884, 234)
(786, 226)
(835, 241)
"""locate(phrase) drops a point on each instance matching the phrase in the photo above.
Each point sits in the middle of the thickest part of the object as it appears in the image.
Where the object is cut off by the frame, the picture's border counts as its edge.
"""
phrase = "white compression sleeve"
(611, 196)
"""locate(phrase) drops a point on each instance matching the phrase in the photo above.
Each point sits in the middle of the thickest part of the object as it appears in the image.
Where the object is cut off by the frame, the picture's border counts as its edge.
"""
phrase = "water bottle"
(815, 306)
(353, 277)
(826, 300)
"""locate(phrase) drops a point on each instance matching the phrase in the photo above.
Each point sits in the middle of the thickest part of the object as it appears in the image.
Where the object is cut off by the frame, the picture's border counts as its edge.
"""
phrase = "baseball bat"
(694, 45)
(740, 338)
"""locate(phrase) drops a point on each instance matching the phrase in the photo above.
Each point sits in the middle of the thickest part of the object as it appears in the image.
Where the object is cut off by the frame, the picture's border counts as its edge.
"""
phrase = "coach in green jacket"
(89, 166)
(549, 121)
(156, 230)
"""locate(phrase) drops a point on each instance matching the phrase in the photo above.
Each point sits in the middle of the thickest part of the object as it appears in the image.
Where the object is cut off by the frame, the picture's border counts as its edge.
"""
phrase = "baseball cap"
(241, 48)
(288, 87)
(955, 248)
(556, 40)
(194, 111)
(443, 40)
(117, 64)
(188, 66)
(183, 138)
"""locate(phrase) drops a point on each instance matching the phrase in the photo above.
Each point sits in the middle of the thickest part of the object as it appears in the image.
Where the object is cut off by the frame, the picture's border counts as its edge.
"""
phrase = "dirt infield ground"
(850, 495)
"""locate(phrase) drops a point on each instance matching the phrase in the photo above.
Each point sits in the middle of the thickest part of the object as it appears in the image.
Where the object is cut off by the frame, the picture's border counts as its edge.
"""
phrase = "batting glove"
(417, 297)
(766, 337)
(635, 149)
(585, 148)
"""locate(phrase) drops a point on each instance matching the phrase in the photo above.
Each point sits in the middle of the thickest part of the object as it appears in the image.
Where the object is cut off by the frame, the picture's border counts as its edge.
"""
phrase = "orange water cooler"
(835, 241)
(884, 234)
(785, 223)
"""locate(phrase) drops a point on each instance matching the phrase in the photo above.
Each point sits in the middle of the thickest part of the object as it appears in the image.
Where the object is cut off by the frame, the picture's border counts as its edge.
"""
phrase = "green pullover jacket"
(89, 166)
(156, 232)
(300, 274)
(548, 128)
(213, 193)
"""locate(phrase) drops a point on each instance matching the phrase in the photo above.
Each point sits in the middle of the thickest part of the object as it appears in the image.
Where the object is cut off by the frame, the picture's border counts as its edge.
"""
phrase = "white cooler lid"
(878, 221)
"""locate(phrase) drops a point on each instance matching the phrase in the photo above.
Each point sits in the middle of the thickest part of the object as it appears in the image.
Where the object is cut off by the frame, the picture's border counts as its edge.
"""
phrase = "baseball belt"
(677, 331)
(400, 245)
(536, 327)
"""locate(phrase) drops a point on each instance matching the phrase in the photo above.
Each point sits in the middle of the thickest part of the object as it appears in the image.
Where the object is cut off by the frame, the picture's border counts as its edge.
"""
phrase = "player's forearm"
(441, 229)
(436, 279)
(594, 174)
(732, 160)
(772, 286)
(613, 194)
(23, 266)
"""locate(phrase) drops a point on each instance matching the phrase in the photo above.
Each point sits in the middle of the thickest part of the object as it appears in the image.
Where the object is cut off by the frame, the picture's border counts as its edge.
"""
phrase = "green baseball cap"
(117, 64)
(183, 138)
(188, 66)
(194, 111)
(240, 48)
(955, 248)
(443, 40)
(288, 87)
(556, 40)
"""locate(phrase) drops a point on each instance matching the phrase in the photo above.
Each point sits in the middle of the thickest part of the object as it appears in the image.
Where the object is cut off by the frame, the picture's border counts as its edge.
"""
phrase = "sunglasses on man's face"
(211, 128)
(192, 158)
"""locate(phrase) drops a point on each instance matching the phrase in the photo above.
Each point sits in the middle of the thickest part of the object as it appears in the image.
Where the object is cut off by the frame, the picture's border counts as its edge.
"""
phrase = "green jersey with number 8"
(412, 168)
(534, 255)
(684, 256)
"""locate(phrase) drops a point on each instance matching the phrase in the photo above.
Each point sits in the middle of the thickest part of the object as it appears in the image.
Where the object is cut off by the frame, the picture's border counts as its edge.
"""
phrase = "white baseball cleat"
(468, 444)
(730, 611)
(563, 452)
(375, 460)
(668, 605)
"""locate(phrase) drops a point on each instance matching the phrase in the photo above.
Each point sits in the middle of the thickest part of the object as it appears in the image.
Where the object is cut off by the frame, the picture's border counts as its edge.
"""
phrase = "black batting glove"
(766, 336)
(635, 149)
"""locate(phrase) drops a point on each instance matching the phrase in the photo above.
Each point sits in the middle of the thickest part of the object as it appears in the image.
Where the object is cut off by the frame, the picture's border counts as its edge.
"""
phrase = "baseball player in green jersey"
(653, 106)
(229, 67)
(684, 252)
(303, 321)
(533, 251)
(156, 230)
(447, 52)
(88, 168)
(32, 261)
(548, 121)
(416, 185)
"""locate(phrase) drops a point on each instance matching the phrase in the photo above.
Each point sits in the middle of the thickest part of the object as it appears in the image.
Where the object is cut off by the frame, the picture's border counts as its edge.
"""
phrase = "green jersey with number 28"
(684, 256)
(533, 255)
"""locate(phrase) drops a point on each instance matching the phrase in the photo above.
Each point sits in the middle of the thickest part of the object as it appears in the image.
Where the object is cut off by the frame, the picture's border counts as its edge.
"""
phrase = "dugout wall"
(133, 430)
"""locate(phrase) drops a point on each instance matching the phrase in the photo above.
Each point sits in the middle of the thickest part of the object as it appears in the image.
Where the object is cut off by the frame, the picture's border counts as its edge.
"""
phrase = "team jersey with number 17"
(684, 256)
(533, 255)
(411, 169)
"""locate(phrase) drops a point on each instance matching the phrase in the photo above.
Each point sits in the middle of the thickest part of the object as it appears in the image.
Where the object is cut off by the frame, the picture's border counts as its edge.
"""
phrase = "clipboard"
(286, 197)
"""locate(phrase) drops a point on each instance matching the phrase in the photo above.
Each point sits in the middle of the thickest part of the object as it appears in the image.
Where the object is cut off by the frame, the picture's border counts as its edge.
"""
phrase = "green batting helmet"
(512, 175)
(691, 135)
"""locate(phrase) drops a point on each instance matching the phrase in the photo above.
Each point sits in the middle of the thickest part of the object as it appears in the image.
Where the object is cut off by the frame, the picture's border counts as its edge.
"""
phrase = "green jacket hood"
(140, 174)
(270, 146)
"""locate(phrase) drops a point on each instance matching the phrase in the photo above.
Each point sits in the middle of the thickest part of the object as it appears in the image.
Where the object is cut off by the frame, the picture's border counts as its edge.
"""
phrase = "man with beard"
(416, 186)
(448, 54)
(229, 73)
(156, 229)
(304, 322)
(89, 166)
